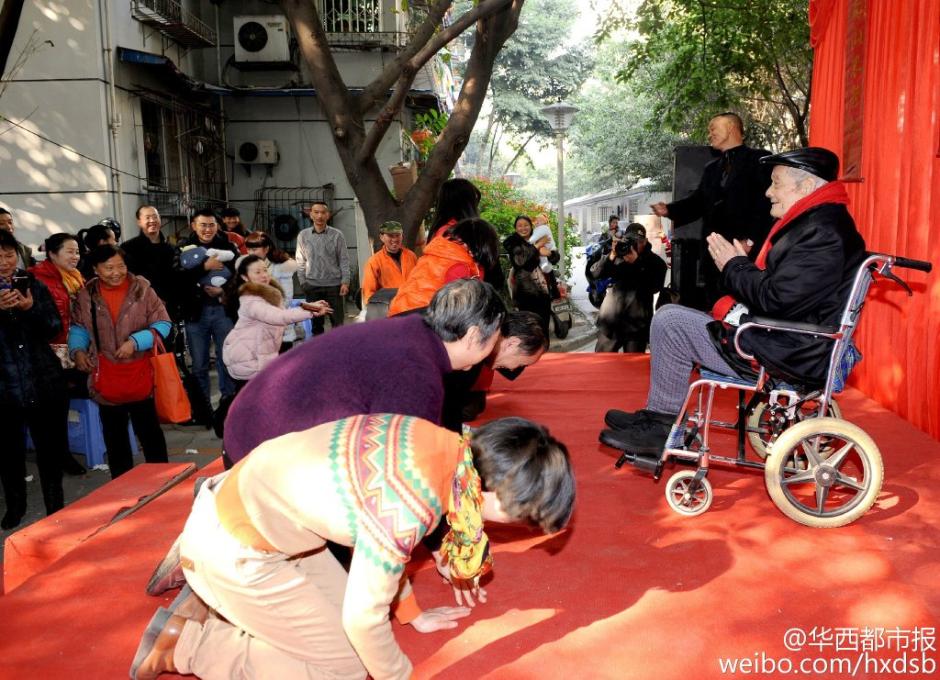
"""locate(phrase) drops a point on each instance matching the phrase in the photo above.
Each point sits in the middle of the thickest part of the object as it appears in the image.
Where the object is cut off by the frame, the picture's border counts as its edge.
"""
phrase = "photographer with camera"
(627, 310)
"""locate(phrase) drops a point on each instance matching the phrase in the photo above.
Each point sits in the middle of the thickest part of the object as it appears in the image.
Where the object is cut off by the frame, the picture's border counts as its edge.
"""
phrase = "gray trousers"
(679, 340)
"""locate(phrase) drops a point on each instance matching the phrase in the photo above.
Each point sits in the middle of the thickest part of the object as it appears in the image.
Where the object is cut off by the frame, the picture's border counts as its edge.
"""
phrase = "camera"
(625, 244)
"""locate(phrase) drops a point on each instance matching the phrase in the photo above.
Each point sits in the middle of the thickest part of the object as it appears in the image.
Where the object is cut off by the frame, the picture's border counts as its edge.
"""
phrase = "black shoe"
(621, 420)
(646, 436)
(72, 467)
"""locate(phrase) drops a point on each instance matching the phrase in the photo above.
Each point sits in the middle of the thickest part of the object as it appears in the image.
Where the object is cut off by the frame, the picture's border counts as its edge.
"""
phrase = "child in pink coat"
(256, 338)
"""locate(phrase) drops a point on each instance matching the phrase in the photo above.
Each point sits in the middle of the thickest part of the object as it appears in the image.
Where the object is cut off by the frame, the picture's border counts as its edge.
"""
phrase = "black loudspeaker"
(687, 244)
(686, 272)
(690, 161)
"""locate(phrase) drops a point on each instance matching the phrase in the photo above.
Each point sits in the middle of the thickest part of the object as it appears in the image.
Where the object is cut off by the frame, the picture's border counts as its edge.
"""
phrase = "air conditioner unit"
(262, 39)
(261, 152)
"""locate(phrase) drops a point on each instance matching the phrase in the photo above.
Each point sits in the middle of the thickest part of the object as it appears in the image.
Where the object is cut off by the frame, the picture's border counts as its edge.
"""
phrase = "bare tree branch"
(426, 42)
(519, 153)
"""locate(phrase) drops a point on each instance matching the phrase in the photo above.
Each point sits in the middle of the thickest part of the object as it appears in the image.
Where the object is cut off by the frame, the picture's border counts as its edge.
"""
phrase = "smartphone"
(21, 283)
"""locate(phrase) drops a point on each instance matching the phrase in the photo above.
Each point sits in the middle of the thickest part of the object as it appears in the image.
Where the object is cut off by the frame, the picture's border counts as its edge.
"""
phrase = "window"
(351, 16)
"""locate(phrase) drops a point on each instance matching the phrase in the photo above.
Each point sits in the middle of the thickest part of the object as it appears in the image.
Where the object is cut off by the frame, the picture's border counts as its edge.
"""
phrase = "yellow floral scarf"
(73, 280)
(466, 549)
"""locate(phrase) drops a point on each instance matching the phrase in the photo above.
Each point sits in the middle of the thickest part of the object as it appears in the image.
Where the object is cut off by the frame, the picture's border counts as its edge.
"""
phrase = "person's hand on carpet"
(439, 618)
(464, 591)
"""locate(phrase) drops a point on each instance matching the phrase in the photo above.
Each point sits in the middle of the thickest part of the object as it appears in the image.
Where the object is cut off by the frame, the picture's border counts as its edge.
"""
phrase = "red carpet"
(632, 590)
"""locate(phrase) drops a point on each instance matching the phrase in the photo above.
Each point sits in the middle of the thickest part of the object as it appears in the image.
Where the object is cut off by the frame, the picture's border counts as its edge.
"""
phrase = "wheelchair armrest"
(794, 326)
(797, 327)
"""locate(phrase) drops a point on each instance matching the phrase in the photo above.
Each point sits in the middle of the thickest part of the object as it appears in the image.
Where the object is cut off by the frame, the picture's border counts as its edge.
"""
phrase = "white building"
(111, 104)
(591, 212)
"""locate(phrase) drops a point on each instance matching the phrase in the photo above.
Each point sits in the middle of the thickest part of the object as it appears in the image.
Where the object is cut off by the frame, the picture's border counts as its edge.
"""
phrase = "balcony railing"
(359, 24)
(168, 17)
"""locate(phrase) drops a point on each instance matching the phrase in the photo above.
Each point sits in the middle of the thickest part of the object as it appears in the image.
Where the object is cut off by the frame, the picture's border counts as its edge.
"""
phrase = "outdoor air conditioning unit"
(262, 39)
(261, 152)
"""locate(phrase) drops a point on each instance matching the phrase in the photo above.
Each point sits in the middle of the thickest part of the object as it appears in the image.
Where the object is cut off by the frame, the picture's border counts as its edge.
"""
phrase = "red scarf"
(833, 192)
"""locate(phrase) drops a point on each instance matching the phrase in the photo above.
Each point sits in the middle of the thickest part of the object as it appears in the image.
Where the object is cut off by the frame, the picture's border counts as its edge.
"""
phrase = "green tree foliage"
(697, 57)
(501, 203)
(618, 140)
(539, 66)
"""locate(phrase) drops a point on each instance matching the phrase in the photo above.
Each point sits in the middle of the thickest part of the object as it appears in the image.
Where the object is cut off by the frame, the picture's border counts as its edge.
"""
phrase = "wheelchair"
(819, 470)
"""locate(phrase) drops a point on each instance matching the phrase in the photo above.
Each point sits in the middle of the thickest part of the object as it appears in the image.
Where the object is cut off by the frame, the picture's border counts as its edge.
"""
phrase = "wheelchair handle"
(908, 263)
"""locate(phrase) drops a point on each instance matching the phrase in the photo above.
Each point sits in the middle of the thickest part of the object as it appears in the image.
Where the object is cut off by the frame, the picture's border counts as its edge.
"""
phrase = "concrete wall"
(64, 182)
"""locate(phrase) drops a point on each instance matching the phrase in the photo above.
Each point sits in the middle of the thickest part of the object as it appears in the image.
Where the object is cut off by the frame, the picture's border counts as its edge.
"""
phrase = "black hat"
(636, 229)
(813, 159)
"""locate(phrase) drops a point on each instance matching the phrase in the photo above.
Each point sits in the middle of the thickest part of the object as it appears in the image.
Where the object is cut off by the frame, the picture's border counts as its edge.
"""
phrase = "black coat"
(637, 282)
(154, 261)
(810, 269)
(30, 372)
(737, 210)
(191, 297)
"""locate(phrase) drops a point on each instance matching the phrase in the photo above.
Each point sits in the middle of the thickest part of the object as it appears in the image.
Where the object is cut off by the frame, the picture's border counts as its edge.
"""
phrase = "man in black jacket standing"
(201, 305)
(638, 273)
(150, 255)
(730, 197)
(804, 273)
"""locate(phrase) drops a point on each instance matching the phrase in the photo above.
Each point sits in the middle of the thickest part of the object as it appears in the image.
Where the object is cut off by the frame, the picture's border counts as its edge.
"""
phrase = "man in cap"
(803, 273)
(390, 266)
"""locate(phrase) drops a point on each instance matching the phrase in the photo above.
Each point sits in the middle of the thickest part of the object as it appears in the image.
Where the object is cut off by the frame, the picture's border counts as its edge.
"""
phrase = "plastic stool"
(306, 323)
(85, 434)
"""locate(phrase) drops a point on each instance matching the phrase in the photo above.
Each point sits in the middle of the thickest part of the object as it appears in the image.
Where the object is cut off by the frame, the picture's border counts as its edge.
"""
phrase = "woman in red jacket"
(465, 250)
(59, 272)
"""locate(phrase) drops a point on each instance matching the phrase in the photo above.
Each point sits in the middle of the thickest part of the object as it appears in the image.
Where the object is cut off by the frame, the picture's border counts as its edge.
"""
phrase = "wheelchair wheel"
(687, 496)
(760, 428)
(824, 472)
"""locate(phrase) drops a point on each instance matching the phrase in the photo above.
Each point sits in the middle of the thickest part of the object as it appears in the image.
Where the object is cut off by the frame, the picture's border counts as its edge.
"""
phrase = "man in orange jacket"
(389, 267)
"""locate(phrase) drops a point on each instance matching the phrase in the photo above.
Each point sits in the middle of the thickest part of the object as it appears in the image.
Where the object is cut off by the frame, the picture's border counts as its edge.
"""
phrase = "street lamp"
(559, 117)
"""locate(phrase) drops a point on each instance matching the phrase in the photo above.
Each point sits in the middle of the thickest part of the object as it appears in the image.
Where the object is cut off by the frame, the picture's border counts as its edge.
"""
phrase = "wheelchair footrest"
(645, 463)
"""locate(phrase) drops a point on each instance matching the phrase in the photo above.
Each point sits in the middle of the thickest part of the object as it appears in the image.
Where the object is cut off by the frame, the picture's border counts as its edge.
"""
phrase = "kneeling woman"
(114, 318)
(253, 546)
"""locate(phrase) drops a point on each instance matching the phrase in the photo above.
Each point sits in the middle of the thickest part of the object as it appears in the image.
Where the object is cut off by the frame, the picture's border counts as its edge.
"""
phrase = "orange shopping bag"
(168, 393)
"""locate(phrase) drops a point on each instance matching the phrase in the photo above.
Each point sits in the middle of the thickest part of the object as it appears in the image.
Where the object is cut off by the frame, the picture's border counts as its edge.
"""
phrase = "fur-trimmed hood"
(272, 293)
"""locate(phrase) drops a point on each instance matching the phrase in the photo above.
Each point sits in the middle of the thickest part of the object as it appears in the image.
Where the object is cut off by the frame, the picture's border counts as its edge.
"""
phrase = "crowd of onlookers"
(81, 318)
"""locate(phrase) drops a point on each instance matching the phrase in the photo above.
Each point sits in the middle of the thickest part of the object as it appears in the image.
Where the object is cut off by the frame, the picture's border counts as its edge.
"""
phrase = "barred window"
(351, 16)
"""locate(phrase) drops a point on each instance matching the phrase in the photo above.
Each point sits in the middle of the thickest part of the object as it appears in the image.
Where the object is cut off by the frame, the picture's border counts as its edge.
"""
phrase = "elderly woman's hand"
(8, 299)
(464, 591)
(83, 362)
(126, 350)
(439, 618)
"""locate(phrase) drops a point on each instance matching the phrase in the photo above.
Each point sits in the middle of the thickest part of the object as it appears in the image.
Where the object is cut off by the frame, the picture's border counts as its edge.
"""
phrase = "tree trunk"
(495, 22)
(9, 23)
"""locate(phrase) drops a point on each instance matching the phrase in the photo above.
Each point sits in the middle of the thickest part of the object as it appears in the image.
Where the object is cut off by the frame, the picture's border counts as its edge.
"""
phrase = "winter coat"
(736, 208)
(192, 298)
(384, 271)
(48, 273)
(256, 338)
(810, 269)
(443, 261)
(30, 372)
(140, 310)
(154, 261)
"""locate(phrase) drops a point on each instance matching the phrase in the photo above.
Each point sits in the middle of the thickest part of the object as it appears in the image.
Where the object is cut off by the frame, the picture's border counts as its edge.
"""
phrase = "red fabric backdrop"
(897, 203)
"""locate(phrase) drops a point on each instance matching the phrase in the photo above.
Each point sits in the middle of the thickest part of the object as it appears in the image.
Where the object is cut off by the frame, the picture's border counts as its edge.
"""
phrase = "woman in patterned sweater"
(253, 547)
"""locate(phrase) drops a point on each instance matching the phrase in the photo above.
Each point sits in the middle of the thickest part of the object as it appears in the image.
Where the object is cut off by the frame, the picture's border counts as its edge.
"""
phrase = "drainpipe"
(114, 118)
(218, 75)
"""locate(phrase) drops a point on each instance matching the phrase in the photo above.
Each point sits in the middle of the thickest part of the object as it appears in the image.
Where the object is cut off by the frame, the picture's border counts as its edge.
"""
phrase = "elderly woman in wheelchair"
(784, 335)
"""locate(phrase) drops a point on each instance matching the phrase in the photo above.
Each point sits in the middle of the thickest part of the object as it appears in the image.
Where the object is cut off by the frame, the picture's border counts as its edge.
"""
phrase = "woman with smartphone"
(32, 387)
